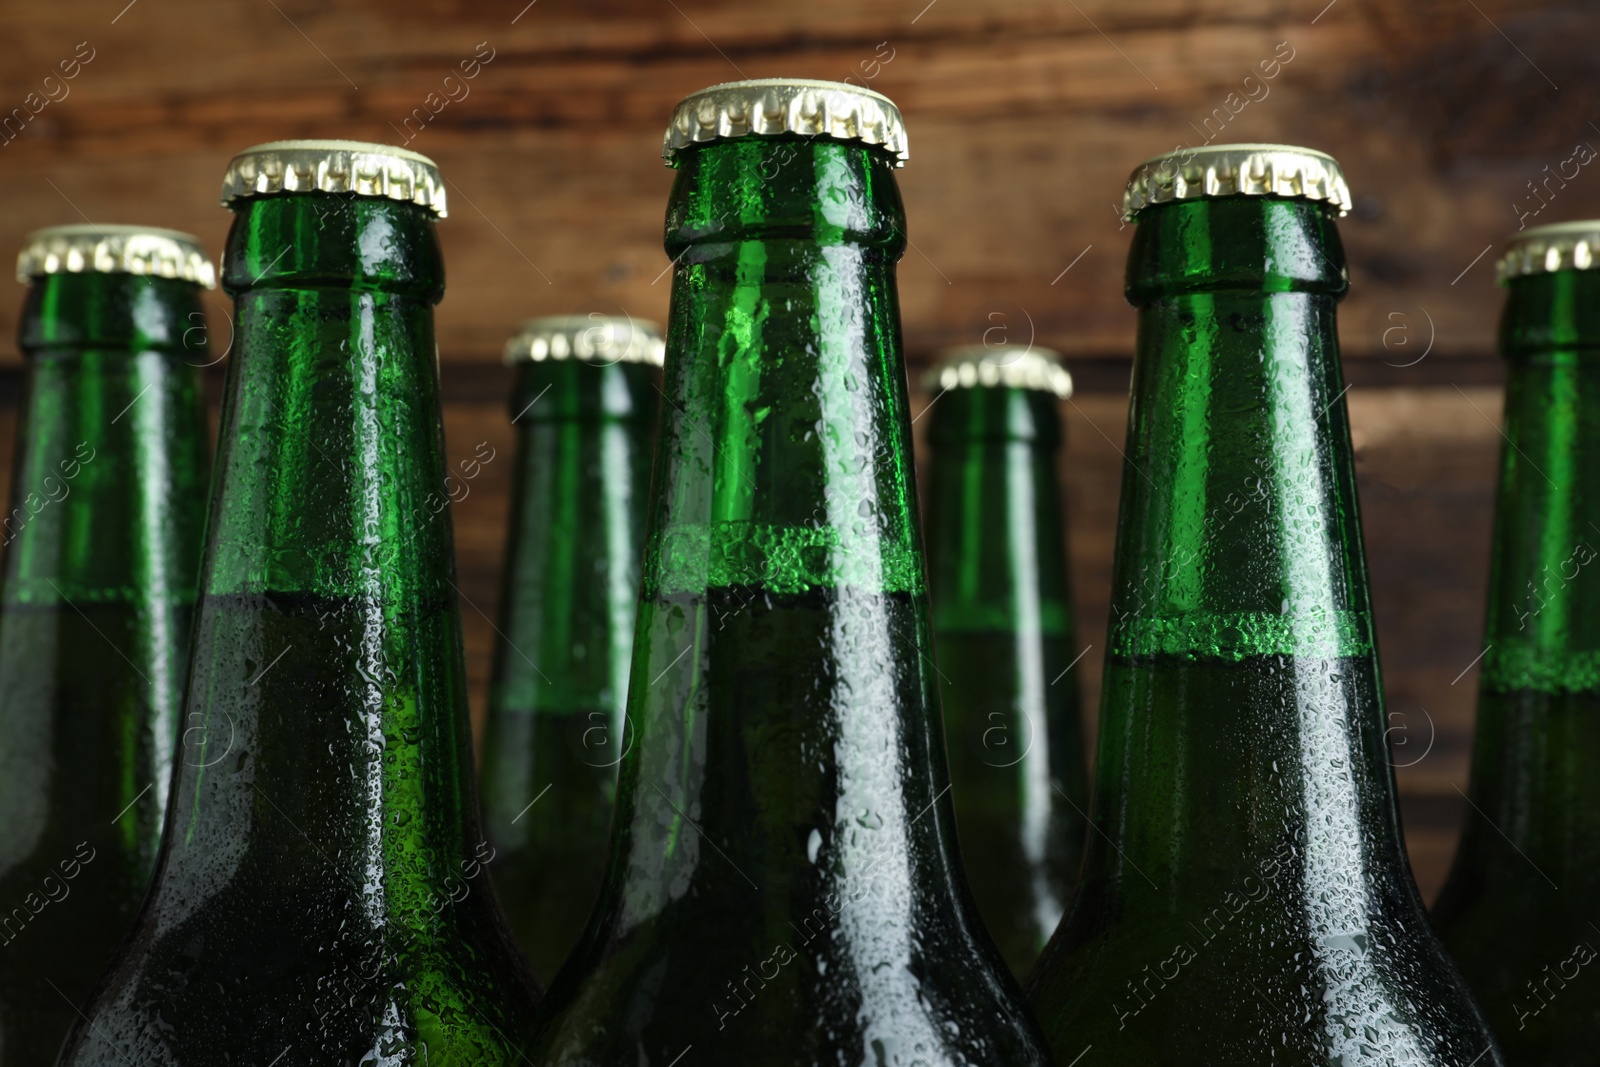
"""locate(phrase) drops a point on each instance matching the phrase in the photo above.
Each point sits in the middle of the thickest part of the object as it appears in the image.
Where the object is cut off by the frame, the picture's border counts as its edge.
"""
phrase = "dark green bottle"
(320, 895)
(584, 406)
(1002, 623)
(1518, 911)
(784, 886)
(1246, 899)
(102, 551)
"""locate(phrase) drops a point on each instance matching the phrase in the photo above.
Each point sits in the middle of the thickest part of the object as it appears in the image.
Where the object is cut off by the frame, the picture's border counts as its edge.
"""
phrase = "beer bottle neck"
(1241, 673)
(569, 595)
(571, 584)
(995, 534)
(327, 720)
(111, 445)
(1237, 535)
(783, 583)
(762, 490)
(1543, 632)
(1540, 680)
(1003, 626)
(102, 538)
(333, 381)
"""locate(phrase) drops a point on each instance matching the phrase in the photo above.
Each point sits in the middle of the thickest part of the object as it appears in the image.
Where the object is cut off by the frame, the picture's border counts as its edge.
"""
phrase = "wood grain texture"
(1025, 117)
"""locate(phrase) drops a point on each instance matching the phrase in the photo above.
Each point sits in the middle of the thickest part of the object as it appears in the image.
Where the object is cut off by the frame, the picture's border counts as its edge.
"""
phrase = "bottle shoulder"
(786, 997)
(305, 969)
(1256, 982)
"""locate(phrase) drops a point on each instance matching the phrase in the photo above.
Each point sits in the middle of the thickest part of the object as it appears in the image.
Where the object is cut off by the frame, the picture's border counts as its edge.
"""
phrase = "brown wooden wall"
(1454, 120)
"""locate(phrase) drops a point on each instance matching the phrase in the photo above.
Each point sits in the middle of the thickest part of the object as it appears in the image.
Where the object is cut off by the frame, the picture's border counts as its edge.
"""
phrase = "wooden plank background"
(1452, 118)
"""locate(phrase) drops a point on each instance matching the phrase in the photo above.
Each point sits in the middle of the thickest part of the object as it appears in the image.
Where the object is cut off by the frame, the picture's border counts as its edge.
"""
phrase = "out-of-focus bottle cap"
(1236, 170)
(771, 106)
(351, 168)
(91, 249)
(1546, 249)
(1000, 367)
(598, 339)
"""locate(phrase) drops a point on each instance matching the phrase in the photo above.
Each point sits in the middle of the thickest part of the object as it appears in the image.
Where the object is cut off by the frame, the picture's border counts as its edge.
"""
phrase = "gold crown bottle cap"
(90, 249)
(599, 339)
(770, 106)
(353, 168)
(1545, 249)
(1236, 170)
(1002, 367)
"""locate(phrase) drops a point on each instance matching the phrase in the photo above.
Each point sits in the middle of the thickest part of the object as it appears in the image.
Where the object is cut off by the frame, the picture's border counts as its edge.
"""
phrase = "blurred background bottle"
(584, 406)
(1518, 912)
(102, 546)
(1247, 897)
(1002, 621)
(783, 885)
(320, 893)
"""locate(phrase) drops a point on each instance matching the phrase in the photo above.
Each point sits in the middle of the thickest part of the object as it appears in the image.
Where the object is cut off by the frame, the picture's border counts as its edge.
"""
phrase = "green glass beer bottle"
(584, 407)
(319, 896)
(1518, 910)
(784, 886)
(1002, 625)
(102, 541)
(1245, 897)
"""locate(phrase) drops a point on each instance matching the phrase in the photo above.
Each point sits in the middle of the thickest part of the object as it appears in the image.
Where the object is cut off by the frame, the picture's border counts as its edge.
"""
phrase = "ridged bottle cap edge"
(1547, 249)
(1002, 367)
(1236, 170)
(351, 168)
(115, 249)
(596, 339)
(772, 106)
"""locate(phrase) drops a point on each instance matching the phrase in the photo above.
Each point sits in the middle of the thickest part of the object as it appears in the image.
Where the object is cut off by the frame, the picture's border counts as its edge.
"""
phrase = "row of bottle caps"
(766, 107)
